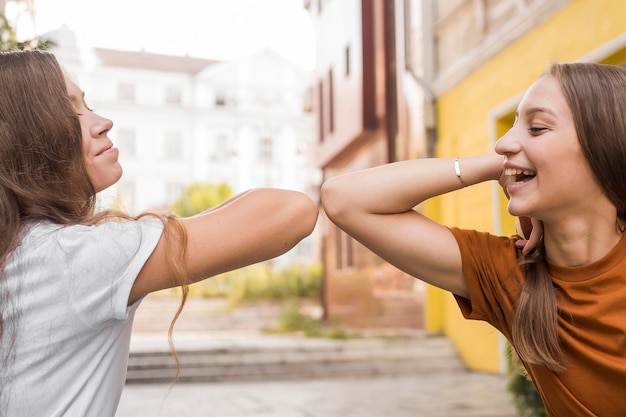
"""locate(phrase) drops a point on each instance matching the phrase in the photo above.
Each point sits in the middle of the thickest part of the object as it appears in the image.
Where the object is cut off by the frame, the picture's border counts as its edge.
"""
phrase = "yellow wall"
(463, 122)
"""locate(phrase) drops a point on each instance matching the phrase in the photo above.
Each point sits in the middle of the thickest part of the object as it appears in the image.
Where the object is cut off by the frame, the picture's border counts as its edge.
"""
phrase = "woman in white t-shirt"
(71, 278)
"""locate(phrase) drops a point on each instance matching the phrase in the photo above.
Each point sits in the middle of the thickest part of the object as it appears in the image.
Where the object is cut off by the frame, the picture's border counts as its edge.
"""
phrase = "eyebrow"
(534, 110)
(77, 100)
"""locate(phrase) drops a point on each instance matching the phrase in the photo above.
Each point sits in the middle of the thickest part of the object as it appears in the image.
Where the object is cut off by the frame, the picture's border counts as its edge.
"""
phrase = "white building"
(179, 120)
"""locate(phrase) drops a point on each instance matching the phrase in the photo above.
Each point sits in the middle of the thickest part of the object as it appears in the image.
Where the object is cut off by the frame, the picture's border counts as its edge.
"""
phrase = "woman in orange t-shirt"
(559, 297)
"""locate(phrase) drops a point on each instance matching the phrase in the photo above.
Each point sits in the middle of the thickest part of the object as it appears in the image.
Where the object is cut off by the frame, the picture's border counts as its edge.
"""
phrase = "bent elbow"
(333, 199)
(305, 212)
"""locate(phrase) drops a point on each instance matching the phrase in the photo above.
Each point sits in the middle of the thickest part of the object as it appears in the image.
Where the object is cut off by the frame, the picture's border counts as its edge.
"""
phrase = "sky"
(216, 29)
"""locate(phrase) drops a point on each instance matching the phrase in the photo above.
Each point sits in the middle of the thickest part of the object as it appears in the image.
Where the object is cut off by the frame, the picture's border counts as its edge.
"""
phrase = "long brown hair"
(596, 95)
(43, 176)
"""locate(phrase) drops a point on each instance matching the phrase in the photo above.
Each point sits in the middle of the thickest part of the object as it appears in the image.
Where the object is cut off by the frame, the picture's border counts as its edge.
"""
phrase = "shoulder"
(106, 228)
(485, 254)
(83, 240)
(493, 274)
(473, 239)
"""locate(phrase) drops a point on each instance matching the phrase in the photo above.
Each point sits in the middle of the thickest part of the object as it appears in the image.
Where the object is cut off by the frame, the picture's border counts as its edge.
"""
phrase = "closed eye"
(88, 109)
(536, 130)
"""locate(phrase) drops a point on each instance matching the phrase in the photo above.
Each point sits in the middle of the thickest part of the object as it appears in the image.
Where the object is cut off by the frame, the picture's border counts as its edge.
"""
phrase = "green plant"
(525, 395)
(526, 398)
(261, 282)
(292, 320)
(9, 41)
(198, 197)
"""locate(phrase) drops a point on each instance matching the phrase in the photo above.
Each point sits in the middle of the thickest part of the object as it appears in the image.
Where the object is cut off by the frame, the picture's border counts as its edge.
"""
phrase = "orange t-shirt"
(592, 321)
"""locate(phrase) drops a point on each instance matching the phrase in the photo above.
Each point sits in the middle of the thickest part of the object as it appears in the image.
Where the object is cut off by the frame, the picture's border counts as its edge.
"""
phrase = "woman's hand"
(532, 231)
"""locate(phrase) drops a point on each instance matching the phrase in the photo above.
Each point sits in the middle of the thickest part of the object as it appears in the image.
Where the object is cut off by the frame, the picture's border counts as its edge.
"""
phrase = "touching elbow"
(304, 212)
(332, 198)
(295, 213)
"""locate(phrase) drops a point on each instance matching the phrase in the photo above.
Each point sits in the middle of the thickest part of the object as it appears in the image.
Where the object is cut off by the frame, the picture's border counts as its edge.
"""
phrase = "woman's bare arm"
(252, 227)
(375, 206)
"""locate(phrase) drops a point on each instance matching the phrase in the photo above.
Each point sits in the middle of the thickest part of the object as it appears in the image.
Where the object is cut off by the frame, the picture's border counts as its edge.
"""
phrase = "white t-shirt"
(63, 298)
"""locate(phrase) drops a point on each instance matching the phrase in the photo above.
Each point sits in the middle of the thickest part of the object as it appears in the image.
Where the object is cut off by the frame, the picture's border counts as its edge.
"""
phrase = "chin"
(103, 184)
(101, 187)
(517, 211)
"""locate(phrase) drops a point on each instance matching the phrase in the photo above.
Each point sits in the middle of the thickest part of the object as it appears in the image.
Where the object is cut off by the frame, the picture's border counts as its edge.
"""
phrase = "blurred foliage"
(198, 197)
(293, 320)
(9, 41)
(525, 396)
(261, 282)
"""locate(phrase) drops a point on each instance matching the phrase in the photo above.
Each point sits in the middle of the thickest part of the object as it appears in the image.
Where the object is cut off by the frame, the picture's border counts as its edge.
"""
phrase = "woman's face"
(548, 177)
(98, 151)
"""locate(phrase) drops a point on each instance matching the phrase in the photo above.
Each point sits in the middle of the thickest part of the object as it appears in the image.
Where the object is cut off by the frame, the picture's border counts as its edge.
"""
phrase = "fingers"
(504, 182)
(536, 235)
(531, 231)
(526, 226)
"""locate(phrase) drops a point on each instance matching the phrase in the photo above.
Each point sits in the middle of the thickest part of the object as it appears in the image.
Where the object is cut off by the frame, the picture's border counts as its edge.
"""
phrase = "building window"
(173, 145)
(338, 247)
(220, 149)
(320, 113)
(307, 100)
(126, 92)
(349, 251)
(266, 149)
(326, 112)
(127, 142)
(344, 250)
(173, 95)
(220, 99)
(500, 125)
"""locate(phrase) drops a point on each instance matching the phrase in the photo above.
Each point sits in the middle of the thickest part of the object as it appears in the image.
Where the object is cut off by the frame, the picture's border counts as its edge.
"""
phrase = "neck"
(580, 243)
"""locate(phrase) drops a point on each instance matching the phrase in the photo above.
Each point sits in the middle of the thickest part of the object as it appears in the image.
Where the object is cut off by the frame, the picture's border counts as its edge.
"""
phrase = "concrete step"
(204, 315)
(211, 358)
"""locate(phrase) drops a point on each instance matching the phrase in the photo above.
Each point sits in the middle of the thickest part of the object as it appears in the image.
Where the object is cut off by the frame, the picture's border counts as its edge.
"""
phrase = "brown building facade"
(361, 118)
(382, 68)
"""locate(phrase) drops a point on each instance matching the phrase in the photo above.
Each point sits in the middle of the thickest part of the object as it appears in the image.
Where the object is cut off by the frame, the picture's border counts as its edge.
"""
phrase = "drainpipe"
(430, 112)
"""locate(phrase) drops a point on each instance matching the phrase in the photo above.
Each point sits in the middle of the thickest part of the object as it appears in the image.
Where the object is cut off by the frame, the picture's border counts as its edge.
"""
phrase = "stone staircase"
(257, 357)
(214, 344)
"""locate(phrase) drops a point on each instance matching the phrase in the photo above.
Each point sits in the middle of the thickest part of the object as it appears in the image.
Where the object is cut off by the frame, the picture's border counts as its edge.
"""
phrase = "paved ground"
(454, 392)
(441, 395)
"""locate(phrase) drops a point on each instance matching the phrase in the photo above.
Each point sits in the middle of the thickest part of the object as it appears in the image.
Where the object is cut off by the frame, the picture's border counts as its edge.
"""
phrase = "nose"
(101, 125)
(508, 144)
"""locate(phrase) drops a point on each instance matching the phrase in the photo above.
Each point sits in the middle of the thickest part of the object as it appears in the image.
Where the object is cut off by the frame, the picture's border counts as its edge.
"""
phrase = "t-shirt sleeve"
(102, 263)
(492, 272)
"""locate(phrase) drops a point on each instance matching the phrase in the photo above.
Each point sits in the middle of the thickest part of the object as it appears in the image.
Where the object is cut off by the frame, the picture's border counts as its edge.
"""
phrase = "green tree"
(198, 197)
(8, 36)
(9, 41)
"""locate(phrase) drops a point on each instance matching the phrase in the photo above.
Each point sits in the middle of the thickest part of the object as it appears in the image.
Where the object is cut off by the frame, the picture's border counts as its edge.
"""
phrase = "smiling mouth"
(104, 150)
(521, 175)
